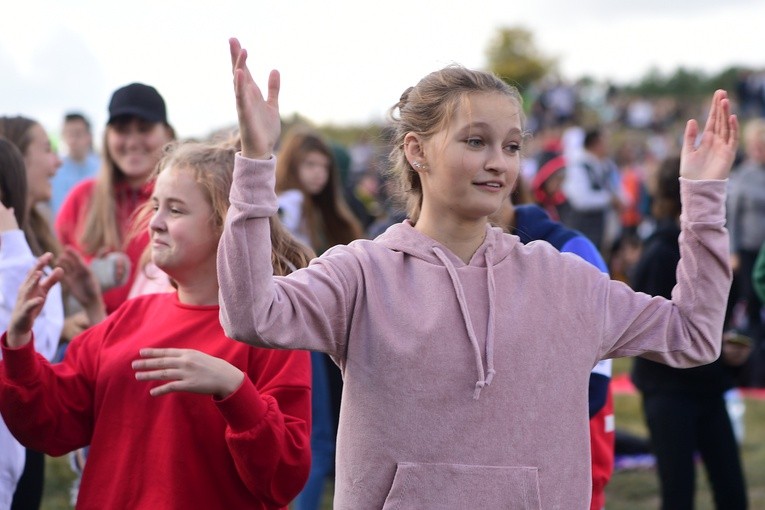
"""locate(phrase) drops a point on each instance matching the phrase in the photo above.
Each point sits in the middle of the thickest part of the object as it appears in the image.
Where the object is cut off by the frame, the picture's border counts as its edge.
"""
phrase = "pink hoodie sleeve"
(686, 331)
(307, 310)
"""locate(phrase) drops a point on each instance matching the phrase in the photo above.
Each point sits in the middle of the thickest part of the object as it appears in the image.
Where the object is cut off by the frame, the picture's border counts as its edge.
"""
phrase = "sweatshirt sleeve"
(48, 407)
(686, 330)
(269, 424)
(305, 310)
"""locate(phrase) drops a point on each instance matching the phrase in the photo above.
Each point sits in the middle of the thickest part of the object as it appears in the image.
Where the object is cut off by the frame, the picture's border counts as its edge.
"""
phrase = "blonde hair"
(425, 109)
(212, 167)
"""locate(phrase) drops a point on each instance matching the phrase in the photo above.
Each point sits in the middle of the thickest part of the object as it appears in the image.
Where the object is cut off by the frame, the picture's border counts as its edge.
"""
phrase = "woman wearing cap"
(96, 216)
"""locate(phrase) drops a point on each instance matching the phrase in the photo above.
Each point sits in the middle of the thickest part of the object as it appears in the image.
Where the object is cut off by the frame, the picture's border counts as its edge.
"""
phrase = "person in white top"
(26, 165)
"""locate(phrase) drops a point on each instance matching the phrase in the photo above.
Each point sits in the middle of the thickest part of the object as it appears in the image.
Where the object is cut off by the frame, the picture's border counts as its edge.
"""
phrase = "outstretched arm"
(687, 331)
(713, 157)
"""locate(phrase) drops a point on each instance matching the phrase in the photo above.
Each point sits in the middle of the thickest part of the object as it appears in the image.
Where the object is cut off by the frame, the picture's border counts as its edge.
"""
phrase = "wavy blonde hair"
(212, 167)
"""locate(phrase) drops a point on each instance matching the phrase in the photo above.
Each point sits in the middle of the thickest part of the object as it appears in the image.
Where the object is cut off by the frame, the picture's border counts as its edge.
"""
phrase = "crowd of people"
(234, 322)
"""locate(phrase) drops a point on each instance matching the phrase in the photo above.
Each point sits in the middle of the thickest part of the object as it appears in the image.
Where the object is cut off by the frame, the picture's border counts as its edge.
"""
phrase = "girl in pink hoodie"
(465, 354)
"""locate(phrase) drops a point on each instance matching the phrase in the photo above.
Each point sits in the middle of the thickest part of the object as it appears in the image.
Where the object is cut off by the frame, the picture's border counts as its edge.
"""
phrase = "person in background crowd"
(28, 163)
(592, 189)
(746, 222)
(80, 161)
(97, 214)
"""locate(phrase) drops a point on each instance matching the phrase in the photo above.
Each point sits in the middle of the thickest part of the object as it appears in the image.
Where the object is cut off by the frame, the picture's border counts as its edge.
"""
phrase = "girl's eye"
(513, 147)
(474, 142)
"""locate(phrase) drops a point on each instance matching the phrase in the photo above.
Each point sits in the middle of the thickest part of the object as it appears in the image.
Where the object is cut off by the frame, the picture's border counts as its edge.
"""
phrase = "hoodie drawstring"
(458, 289)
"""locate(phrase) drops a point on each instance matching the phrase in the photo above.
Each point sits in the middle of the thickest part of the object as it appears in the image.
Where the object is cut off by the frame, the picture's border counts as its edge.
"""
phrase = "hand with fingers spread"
(187, 370)
(30, 301)
(714, 155)
(259, 121)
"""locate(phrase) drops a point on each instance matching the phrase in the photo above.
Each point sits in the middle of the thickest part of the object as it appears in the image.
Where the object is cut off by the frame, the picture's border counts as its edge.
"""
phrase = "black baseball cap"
(138, 100)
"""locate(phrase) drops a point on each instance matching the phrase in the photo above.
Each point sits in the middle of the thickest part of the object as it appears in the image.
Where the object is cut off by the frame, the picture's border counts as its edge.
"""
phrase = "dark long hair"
(37, 230)
(327, 214)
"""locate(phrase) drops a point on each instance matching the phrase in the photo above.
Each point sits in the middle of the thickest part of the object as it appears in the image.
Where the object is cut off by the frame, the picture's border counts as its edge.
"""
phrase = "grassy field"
(628, 490)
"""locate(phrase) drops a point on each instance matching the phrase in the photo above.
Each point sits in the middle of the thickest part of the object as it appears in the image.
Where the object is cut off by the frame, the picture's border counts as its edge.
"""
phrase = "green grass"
(628, 490)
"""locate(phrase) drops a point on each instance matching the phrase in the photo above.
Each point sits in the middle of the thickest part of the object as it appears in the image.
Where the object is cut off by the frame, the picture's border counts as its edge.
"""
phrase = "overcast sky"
(341, 61)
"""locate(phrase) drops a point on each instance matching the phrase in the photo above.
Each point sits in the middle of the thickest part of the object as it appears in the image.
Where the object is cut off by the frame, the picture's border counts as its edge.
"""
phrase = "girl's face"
(473, 163)
(184, 237)
(313, 172)
(135, 146)
(41, 163)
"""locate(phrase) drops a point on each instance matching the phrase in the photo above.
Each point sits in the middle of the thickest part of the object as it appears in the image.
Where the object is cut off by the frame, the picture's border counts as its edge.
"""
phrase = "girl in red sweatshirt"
(137, 386)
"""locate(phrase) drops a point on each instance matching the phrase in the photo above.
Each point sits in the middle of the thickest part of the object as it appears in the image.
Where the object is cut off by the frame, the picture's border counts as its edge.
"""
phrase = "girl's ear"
(415, 151)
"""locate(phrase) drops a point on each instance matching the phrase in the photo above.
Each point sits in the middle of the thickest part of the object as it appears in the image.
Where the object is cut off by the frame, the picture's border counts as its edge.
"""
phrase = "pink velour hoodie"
(465, 385)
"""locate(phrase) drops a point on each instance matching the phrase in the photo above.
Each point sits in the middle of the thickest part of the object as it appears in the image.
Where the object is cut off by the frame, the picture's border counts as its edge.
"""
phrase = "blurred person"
(547, 187)
(98, 212)
(592, 189)
(746, 223)
(80, 161)
(28, 163)
(177, 416)
(685, 409)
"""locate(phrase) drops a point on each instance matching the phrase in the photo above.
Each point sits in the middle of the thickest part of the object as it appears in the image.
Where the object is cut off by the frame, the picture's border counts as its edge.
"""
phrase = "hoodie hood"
(405, 238)
(496, 246)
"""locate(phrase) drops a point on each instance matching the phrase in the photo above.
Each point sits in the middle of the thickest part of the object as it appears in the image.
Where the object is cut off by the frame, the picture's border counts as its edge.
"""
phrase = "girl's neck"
(198, 292)
(462, 239)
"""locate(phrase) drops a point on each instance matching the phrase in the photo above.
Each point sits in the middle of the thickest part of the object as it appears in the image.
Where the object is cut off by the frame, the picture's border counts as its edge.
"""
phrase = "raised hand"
(187, 370)
(30, 301)
(714, 156)
(259, 121)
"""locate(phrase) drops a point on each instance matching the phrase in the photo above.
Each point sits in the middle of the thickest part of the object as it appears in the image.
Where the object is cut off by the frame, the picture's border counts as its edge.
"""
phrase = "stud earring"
(419, 166)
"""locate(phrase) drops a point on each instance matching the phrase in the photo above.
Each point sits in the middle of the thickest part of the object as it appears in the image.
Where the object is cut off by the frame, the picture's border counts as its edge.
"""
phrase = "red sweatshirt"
(177, 451)
(70, 223)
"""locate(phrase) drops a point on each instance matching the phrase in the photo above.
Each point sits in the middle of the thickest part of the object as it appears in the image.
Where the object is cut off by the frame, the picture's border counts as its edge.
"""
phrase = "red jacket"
(178, 451)
(71, 221)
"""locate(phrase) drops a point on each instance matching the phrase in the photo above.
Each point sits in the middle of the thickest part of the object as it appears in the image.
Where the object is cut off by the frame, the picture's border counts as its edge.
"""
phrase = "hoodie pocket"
(458, 486)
